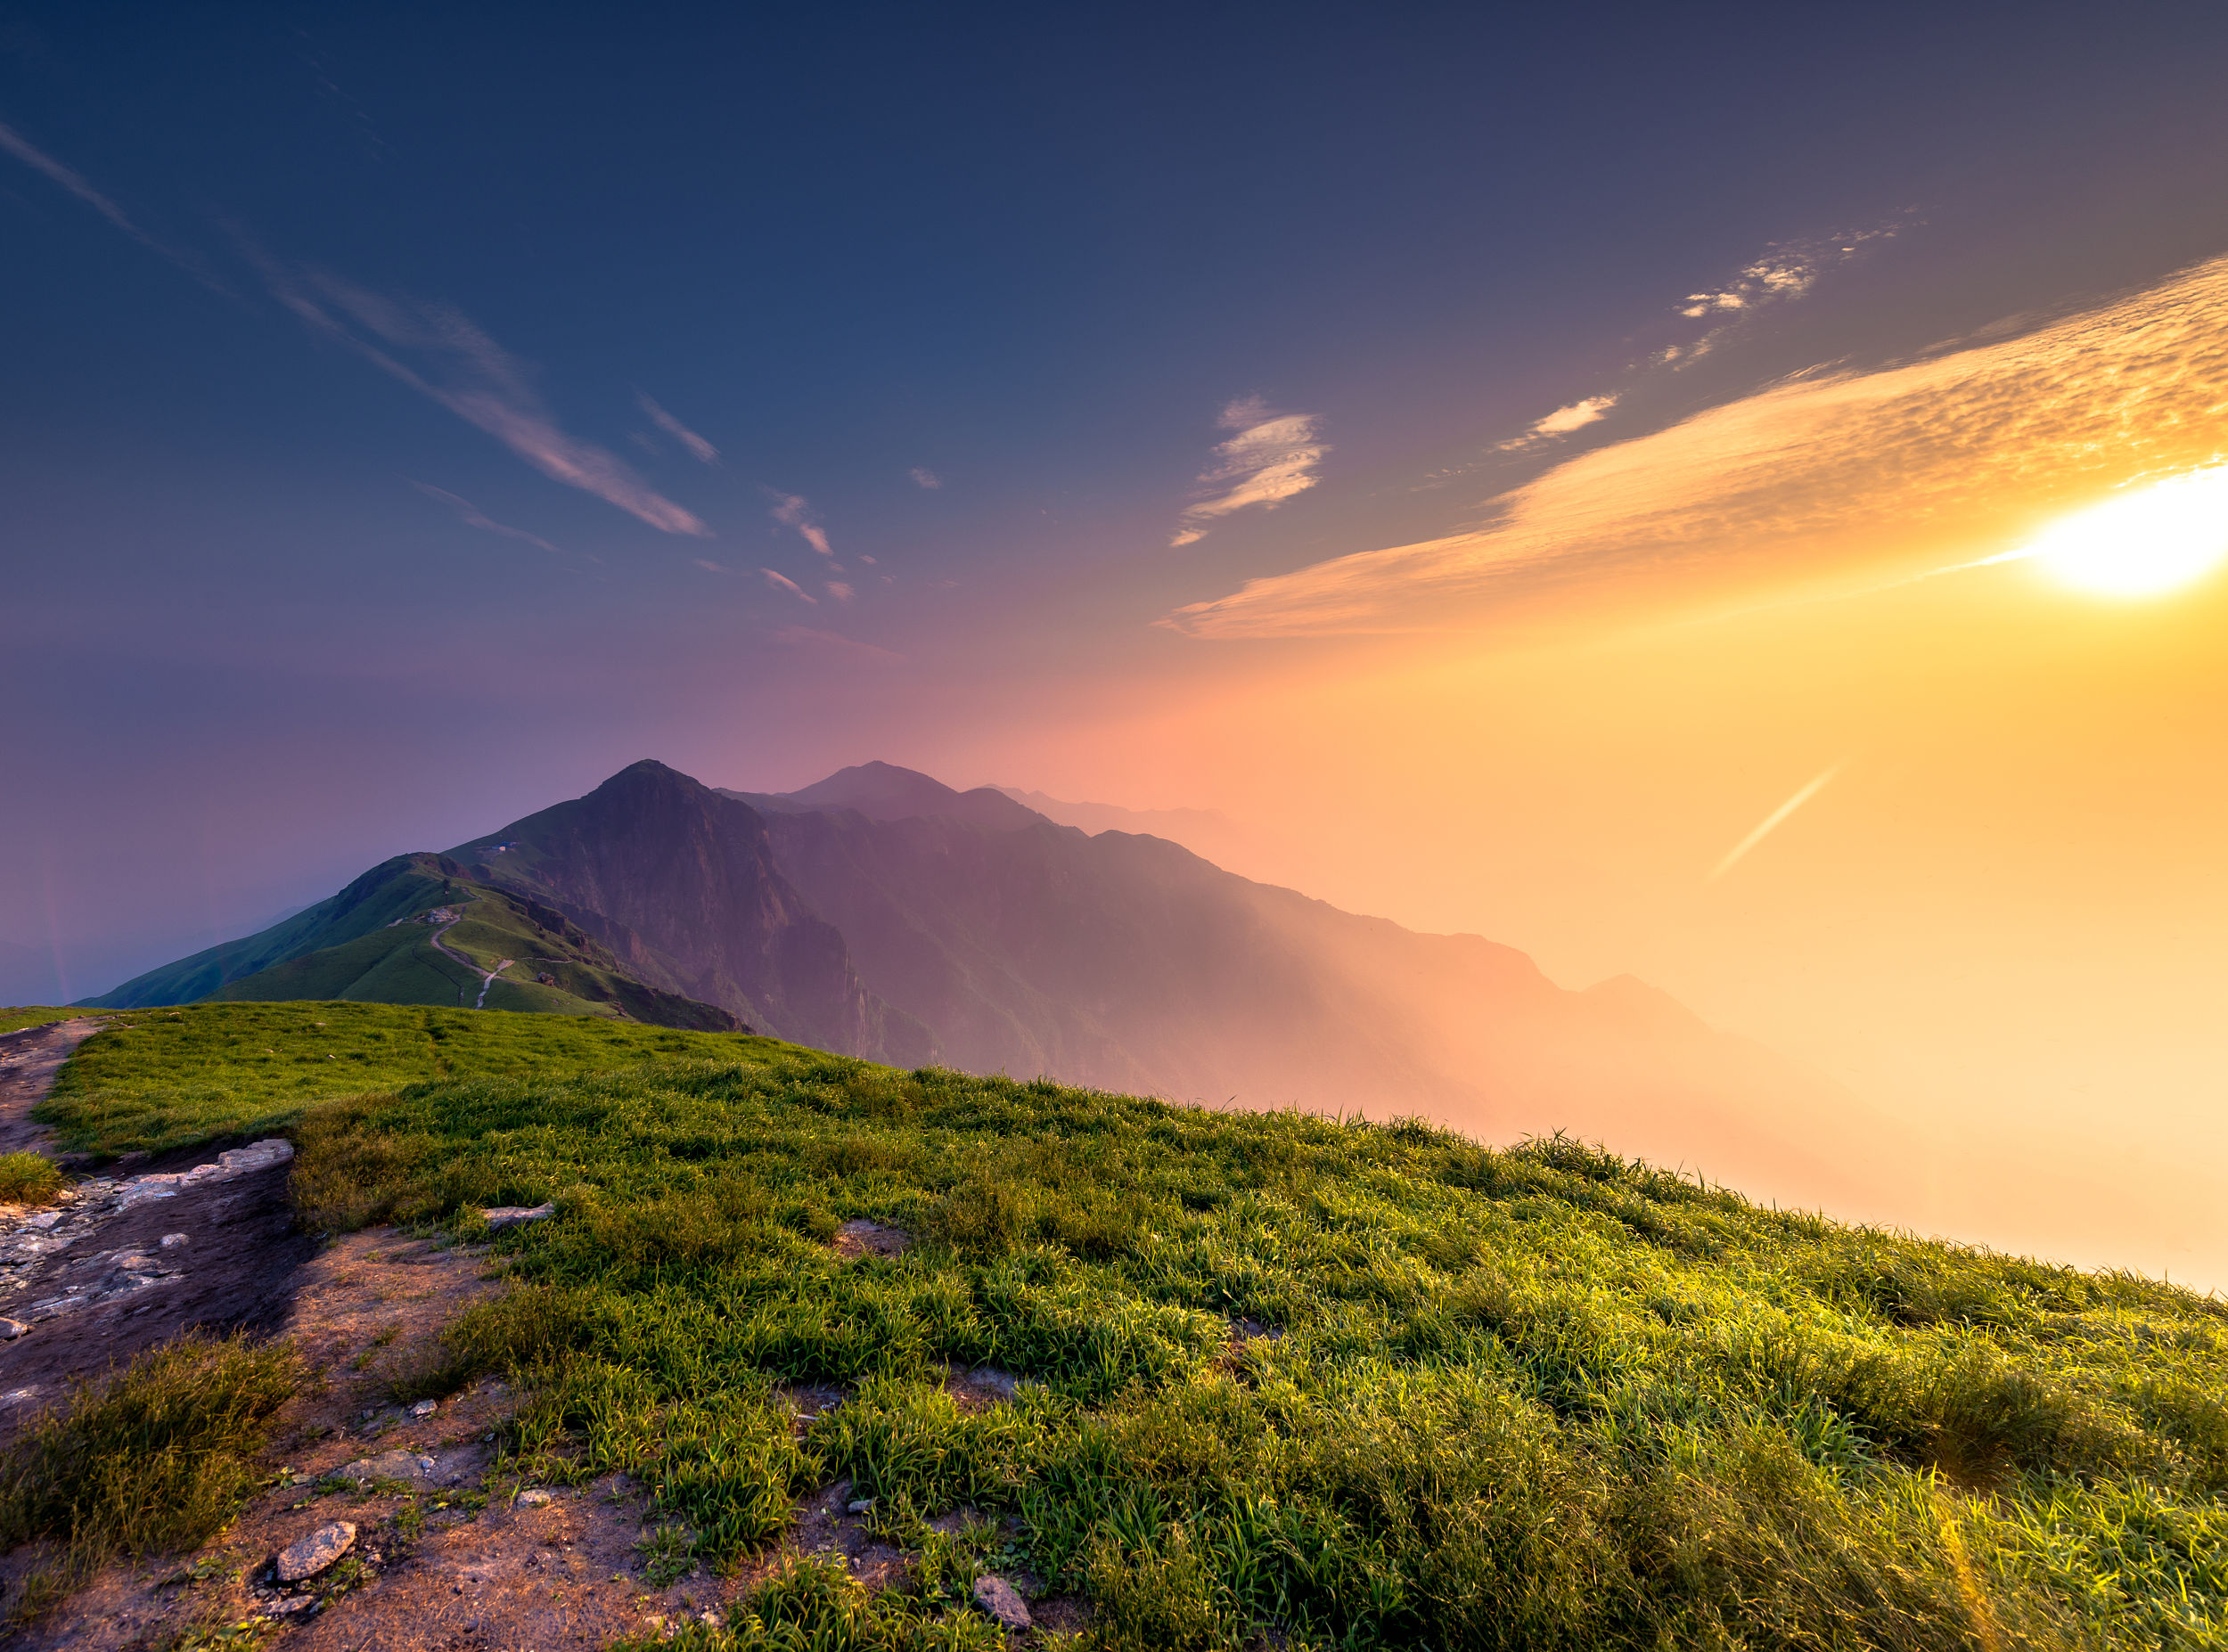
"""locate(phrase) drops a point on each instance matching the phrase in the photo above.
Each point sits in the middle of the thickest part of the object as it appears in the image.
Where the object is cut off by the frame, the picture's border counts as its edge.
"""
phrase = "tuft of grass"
(28, 1179)
(152, 1459)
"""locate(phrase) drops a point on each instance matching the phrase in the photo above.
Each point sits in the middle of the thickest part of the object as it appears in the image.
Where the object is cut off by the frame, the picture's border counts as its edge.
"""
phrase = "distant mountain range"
(883, 914)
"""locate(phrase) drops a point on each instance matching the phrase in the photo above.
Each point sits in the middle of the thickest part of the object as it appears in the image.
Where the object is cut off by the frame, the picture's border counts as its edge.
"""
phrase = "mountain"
(1127, 962)
(882, 791)
(881, 913)
(1207, 832)
(680, 883)
(418, 930)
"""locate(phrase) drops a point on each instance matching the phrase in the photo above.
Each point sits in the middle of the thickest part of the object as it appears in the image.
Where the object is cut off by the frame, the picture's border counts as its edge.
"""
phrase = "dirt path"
(29, 1061)
(487, 976)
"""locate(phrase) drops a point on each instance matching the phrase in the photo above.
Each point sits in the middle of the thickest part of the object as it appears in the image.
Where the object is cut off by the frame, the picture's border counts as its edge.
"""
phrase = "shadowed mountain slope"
(1127, 963)
(680, 883)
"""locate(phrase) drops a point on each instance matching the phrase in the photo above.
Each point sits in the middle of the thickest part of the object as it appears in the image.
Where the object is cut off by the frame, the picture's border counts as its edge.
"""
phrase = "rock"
(308, 1556)
(260, 1156)
(10, 1330)
(172, 1241)
(863, 1505)
(388, 1465)
(535, 1499)
(512, 1215)
(1002, 1602)
(44, 1220)
(424, 1408)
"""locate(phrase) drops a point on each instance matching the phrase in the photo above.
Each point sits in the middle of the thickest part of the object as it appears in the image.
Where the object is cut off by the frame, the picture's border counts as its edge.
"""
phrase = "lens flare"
(2144, 543)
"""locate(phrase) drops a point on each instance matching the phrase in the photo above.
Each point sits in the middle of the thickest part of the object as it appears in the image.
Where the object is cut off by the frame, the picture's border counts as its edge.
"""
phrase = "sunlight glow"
(2144, 543)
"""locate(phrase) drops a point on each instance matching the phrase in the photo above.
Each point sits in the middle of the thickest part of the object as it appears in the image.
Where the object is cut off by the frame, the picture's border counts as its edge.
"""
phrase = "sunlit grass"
(163, 1078)
(1533, 1398)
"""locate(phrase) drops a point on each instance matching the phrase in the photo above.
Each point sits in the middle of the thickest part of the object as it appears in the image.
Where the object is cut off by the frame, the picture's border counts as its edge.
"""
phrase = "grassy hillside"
(163, 1078)
(1360, 1385)
(416, 930)
(15, 1019)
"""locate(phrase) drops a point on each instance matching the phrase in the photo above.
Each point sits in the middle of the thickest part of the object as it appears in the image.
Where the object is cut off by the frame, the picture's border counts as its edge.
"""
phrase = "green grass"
(1534, 1398)
(152, 1460)
(28, 1179)
(14, 1020)
(163, 1078)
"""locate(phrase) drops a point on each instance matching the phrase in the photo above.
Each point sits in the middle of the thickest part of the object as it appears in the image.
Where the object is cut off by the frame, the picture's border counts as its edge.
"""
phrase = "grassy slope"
(1538, 1398)
(161, 1078)
(15, 1019)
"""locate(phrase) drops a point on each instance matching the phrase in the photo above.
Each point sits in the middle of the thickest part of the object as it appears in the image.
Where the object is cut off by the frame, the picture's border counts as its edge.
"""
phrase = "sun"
(2143, 542)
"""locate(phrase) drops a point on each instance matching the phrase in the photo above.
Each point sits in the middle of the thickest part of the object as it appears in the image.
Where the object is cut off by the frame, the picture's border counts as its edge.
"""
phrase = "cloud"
(472, 516)
(697, 445)
(923, 476)
(1826, 481)
(466, 371)
(1787, 270)
(804, 636)
(1562, 421)
(793, 511)
(15, 144)
(840, 591)
(783, 582)
(1271, 458)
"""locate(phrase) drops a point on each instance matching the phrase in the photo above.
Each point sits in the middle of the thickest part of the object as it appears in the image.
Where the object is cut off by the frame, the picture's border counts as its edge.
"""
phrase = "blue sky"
(413, 414)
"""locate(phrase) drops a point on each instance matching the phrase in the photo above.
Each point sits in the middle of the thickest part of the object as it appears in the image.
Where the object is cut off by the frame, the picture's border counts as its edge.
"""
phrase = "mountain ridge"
(879, 913)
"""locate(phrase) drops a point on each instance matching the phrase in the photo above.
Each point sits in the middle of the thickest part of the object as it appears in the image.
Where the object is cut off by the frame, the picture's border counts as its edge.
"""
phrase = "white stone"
(171, 1241)
(423, 1408)
(308, 1556)
(511, 1216)
(533, 1499)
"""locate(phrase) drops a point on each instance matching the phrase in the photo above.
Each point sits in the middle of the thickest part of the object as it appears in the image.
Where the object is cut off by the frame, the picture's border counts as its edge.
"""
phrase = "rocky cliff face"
(681, 884)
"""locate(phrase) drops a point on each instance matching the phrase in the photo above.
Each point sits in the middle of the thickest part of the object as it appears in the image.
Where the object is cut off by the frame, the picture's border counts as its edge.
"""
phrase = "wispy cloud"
(1826, 481)
(1770, 823)
(794, 511)
(783, 582)
(702, 450)
(70, 179)
(466, 371)
(1562, 421)
(1272, 457)
(840, 591)
(1787, 270)
(923, 476)
(472, 516)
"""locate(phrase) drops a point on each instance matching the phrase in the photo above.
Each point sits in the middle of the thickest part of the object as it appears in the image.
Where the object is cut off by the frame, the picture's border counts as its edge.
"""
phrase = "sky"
(1661, 490)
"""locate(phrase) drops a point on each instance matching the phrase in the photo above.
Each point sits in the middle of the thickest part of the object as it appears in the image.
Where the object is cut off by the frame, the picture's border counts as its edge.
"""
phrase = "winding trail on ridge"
(487, 976)
(29, 1061)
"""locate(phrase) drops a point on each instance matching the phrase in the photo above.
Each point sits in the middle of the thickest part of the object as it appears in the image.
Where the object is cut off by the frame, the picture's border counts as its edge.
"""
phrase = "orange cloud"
(1827, 480)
